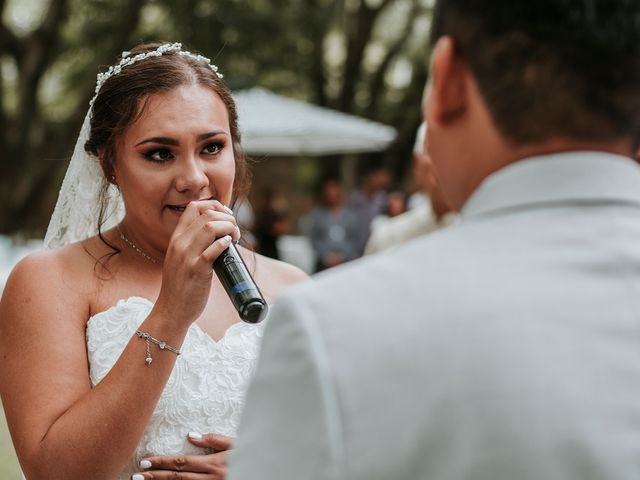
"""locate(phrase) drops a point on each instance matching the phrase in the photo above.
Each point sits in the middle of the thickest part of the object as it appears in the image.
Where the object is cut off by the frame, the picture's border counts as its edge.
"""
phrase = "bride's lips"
(179, 208)
(176, 208)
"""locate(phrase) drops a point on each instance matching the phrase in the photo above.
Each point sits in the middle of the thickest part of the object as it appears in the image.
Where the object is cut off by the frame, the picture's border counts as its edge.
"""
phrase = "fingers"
(214, 250)
(173, 475)
(186, 467)
(195, 209)
(218, 443)
(187, 274)
(190, 467)
(209, 216)
(175, 463)
(207, 228)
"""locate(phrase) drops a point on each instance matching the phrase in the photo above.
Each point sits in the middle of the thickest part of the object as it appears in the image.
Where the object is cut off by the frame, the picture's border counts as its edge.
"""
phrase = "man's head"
(376, 179)
(545, 75)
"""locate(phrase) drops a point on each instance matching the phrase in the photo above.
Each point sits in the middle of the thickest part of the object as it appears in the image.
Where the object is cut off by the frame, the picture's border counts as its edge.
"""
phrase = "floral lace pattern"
(77, 210)
(204, 393)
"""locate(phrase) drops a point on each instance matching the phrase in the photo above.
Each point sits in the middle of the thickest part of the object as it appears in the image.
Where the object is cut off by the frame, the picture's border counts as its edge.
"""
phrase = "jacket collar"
(561, 178)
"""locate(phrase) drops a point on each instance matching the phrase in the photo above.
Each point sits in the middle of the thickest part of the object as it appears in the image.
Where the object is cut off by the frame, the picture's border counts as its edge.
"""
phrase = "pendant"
(149, 360)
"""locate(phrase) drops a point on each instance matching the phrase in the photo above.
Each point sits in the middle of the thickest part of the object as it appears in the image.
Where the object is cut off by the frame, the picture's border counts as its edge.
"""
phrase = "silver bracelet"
(162, 345)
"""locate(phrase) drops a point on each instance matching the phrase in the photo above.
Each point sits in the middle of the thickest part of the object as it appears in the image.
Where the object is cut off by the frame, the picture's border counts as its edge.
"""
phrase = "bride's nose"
(191, 175)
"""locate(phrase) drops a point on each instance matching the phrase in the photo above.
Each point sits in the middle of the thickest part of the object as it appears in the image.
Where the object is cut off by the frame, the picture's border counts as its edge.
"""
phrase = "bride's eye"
(159, 155)
(213, 148)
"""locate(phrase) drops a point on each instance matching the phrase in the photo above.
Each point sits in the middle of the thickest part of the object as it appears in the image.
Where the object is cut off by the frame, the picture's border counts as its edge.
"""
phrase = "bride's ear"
(107, 168)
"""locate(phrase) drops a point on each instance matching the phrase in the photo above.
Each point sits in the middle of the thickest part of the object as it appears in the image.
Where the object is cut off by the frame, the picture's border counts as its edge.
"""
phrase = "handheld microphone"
(240, 286)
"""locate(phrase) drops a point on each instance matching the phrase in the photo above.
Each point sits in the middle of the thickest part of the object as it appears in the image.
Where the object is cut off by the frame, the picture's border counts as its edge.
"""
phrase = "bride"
(119, 347)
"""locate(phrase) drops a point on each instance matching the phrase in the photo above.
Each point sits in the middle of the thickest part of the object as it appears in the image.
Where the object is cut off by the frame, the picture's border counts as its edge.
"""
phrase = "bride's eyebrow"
(174, 142)
(161, 140)
(204, 136)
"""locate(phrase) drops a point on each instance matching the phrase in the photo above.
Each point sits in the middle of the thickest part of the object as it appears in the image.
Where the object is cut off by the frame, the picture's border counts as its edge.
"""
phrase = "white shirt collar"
(558, 178)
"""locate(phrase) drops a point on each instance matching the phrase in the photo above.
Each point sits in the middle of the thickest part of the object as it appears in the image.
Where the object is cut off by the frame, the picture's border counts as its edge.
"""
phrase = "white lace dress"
(205, 392)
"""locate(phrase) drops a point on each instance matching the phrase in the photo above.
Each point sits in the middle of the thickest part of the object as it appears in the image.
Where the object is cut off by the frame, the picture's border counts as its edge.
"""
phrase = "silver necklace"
(136, 248)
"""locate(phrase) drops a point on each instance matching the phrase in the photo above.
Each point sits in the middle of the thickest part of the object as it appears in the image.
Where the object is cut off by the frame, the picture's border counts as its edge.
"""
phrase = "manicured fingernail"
(238, 231)
(196, 435)
(227, 239)
(228, 210)
(137, 476)
(145, 464)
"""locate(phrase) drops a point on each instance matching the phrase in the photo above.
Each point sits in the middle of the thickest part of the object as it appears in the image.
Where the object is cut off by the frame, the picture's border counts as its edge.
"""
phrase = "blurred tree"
(39, 124)
(366, 57)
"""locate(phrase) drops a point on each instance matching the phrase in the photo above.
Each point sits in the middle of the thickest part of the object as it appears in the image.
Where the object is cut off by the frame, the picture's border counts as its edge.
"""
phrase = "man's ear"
(446, 97)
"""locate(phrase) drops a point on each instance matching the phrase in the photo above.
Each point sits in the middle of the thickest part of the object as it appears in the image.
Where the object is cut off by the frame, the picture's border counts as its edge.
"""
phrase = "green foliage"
(363, 57)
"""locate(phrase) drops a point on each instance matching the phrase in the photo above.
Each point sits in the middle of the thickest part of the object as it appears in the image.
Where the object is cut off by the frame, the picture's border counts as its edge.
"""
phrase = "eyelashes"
(158, 155)
(213, 148)
(163, 154)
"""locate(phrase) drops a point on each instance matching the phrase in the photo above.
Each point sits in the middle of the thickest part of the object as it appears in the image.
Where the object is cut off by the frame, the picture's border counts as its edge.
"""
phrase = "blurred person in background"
(505, 346)
(367, 202)
(395, 204)
(245, 218)
(271, 223)
(332, 228)
(122, 355)
(428, 216)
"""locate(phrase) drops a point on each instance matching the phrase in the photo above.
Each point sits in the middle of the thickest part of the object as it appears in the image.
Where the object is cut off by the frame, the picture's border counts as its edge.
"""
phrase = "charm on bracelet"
(161, 345)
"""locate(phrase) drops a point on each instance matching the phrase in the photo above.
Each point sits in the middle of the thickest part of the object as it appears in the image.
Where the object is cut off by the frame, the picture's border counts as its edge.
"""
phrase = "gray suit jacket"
(504, 347)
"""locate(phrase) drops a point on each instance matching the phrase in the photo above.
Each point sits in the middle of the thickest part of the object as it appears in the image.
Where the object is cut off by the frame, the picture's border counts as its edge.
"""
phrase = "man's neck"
(561, 145)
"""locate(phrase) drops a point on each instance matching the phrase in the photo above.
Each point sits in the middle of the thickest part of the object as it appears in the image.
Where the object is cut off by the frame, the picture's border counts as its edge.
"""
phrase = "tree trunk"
(31, 146)
(359, 29)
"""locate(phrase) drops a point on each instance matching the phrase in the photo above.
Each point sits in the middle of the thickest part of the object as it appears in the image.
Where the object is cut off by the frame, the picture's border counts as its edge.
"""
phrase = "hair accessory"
(127, 60)
(162, 345)
(86, 195)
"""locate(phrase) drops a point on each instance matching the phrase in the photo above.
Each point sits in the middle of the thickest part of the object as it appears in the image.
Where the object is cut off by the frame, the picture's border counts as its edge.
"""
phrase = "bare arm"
(61, 427)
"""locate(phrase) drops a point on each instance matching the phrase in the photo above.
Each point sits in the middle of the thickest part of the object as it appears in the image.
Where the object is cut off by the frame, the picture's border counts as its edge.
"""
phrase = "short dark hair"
(551, 68)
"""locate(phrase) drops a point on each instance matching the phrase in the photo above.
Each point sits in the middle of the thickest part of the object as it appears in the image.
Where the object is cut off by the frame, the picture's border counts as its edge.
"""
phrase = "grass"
(9, 468)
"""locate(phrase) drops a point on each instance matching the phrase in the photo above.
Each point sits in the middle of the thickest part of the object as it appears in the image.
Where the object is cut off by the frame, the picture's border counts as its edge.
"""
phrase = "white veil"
(77, 210)
(79, 205)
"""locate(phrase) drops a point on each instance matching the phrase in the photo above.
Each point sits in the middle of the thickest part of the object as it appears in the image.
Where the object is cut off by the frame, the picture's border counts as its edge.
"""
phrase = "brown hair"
(122, 98)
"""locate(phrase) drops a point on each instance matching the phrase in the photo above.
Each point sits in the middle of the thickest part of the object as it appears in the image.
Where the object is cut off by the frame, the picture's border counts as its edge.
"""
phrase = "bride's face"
(179, 150)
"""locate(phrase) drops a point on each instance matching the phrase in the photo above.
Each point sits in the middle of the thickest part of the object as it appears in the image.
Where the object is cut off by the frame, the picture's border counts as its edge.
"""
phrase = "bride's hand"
(203, 232)
(190, 467)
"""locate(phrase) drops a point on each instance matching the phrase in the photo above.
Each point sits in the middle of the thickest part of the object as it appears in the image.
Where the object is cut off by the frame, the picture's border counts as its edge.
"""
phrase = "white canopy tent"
(275, 125)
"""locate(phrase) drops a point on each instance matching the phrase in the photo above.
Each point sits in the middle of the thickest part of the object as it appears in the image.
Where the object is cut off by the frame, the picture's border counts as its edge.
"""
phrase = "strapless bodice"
(205, 392)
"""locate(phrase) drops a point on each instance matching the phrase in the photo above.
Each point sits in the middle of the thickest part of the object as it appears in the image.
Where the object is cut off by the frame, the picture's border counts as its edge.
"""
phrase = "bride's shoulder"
(273, 275)
(48, 292)
(62, 272)
(68, 258)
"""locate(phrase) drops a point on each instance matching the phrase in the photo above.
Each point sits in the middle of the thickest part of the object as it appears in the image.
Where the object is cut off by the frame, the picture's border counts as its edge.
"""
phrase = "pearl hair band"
(127, 60)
